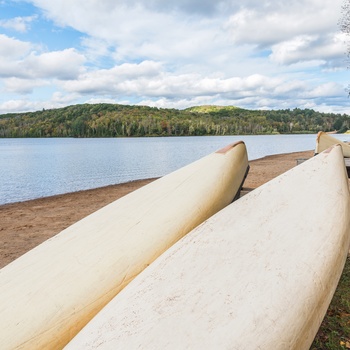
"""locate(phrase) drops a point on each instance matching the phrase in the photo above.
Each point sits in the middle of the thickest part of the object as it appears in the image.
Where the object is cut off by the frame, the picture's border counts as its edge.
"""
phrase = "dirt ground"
(24, 225)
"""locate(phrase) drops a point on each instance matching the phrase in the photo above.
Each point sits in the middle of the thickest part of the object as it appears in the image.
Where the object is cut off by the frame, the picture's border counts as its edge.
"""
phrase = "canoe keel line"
(259, 274)
(238, 194)
(50, 293)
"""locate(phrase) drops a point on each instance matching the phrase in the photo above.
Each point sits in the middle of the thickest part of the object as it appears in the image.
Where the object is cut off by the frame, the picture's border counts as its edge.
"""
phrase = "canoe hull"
(324, 141)
(259, 274)
(51, 292)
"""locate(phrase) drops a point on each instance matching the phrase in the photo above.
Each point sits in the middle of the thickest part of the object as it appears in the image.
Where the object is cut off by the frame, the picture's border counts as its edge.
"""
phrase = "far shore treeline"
(114, 120)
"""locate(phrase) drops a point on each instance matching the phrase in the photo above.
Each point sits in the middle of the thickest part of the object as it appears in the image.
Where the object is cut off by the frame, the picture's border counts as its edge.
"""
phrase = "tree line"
(114, 120)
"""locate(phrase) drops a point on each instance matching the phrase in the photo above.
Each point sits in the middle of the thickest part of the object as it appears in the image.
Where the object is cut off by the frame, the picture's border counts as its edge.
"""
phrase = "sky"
(251, 54)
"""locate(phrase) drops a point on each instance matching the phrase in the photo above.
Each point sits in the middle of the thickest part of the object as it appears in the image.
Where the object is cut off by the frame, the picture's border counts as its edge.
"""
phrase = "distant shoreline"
(116, 120)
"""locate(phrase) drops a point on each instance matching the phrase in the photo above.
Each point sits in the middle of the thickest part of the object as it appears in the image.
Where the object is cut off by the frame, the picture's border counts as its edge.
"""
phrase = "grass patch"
(334, 333)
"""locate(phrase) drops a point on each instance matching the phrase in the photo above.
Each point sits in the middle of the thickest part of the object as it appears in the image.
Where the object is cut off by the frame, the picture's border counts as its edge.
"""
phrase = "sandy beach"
(24, 225)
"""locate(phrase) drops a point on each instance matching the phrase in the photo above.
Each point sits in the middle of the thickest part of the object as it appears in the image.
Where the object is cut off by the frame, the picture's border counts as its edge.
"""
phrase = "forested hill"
(113, 120)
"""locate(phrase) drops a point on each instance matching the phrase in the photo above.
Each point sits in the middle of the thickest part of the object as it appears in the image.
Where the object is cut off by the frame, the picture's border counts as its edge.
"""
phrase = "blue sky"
(175, 54)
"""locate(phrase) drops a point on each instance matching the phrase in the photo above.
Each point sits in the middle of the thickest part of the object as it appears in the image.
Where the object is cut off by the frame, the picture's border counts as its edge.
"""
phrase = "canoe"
(51, 292)
(259, 274)
(324, 141)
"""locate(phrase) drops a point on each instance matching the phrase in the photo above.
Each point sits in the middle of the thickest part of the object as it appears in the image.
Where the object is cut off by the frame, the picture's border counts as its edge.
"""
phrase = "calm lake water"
(33, 168)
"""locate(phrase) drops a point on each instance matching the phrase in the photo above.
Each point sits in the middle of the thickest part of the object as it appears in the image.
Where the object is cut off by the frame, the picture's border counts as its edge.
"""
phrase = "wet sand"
(24, 225)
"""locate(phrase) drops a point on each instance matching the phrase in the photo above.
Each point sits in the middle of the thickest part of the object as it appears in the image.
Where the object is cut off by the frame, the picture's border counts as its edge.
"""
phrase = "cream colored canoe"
(50, 293)
(259, 274)
(324, 141)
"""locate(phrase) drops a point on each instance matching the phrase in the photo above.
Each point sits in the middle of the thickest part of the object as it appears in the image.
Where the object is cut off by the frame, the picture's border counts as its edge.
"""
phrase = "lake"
(33, 168)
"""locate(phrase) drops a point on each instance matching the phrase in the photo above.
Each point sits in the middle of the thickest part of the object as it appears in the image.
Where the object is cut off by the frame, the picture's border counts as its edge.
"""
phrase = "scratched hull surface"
(259, 274)
(50, 293)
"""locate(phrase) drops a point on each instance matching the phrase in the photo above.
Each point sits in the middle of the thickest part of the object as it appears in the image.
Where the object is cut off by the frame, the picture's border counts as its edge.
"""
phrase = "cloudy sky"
(253, 54)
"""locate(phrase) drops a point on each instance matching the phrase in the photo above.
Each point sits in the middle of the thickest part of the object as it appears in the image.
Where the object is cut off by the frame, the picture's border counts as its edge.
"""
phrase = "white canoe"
(51, 292)
(324, 141)
(259, 274)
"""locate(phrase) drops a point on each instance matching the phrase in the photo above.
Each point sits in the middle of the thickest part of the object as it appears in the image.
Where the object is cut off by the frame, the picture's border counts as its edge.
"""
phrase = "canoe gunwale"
(229, 147)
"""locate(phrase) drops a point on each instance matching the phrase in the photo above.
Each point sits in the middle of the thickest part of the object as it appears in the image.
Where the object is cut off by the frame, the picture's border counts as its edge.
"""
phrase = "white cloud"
(18, 61)
(95, 48)
(193, 7)
(329, 90)
(204, 32)
(268, 23)
(105, 100)
(22, 86)
(63, 65)
(309, 48)
(19, 24)
(185, 52)
(138, 29)
(113, 80)
(13, 106)
(11, 48)
(63, 99)
(149, 82)
(12, 51)
(27, 105)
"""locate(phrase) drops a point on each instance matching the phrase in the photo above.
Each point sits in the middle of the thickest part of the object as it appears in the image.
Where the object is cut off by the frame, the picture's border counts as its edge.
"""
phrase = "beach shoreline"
(26, 224)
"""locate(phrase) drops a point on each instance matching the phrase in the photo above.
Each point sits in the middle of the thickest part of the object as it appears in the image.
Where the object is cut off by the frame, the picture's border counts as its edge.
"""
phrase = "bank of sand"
(26, 224)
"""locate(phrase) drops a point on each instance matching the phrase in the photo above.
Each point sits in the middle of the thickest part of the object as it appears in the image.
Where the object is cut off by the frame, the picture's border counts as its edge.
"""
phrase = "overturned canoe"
(51, 292)
(259, 274)
(324, 141)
